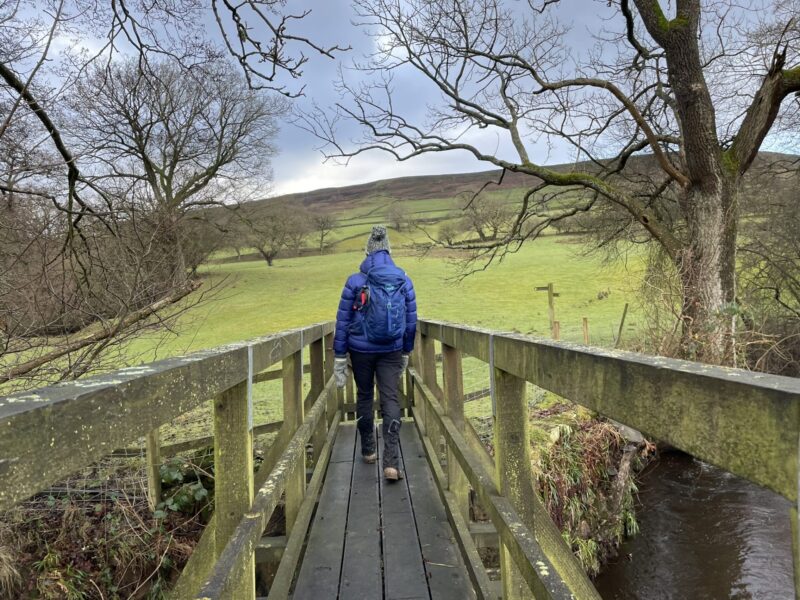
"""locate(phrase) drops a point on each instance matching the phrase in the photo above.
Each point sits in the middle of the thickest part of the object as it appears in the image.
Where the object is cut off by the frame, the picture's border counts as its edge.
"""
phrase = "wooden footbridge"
(348, 534)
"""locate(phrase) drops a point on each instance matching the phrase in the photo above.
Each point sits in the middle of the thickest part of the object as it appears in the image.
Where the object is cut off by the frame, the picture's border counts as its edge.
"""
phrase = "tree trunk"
(175, 244)
(708, 275)
(267, 256)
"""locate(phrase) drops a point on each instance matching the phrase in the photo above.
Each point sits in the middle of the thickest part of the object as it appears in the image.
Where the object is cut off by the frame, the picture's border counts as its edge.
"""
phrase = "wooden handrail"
(82, 421)
(746, 423)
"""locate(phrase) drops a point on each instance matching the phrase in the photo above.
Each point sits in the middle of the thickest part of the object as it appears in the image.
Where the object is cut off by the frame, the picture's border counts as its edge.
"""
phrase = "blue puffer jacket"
(349, 334)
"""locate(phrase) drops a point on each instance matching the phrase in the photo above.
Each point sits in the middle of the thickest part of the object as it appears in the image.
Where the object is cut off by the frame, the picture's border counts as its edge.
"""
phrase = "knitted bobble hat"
(378, 240)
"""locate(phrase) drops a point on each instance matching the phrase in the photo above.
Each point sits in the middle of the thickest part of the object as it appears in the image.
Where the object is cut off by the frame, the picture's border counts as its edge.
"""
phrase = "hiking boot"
(368, 449)
(392, 474)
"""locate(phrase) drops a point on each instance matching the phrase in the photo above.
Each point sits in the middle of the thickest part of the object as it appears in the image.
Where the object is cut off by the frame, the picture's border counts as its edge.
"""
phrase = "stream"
(704, 534)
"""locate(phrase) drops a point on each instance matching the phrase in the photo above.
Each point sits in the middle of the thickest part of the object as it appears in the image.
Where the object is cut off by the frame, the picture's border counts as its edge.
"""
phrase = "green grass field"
(255, 299)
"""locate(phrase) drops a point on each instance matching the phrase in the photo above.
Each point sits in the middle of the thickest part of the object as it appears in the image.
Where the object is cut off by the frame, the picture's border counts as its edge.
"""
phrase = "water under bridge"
(349, 534)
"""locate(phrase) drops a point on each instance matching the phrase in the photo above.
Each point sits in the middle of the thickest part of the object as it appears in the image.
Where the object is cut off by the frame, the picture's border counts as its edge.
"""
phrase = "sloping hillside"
(359, 199)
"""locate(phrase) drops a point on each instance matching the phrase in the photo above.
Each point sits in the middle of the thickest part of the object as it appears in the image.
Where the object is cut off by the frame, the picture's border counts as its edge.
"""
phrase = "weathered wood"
(475, 442)
(428, 358)
(294, 546)
(248, 532)
(274, 374)
(197, 568)
(293, 416)
(193, 444)
(481, 585)
(586, 331)
(317, 365)
(746, 423)
(361, 563)
(270, 549)
(529, 556)
(403, 569)
(153, 455)
(317, 384)
(484, 534)
(350, 396)
(233, 478)
(513, 468)
(321, 568)
(329, 355)
(428, 371)
(82, 421)
(453, 380)
(795, 549)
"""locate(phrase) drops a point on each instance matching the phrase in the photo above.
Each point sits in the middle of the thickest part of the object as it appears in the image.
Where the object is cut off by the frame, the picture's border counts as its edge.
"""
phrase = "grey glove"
(340, 370)
(404, 364)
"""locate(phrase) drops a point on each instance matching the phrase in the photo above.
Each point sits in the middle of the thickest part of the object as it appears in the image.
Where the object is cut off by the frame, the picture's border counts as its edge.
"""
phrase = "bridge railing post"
(350, 396)
(233, 475)
(415, 362)
(513, 468)
(333, 399)
(428, 363)
(795, 527)
(317, 385)
(293, 416)
(453, 383)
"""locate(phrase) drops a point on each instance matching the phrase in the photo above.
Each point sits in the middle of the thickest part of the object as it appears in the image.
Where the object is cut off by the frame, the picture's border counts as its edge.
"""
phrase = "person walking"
(376, 324)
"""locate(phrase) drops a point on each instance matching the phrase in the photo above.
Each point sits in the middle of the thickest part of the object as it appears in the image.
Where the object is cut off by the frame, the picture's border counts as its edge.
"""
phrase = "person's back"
(376, 324)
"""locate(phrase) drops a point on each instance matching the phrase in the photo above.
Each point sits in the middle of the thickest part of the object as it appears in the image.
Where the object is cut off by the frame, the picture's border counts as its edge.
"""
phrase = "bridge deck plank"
(361, 564)
(391, 541)
(322, 564)
(404, 572)
(447, 575)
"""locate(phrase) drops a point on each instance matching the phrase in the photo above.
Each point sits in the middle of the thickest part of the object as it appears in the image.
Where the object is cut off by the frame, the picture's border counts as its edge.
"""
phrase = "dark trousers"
(385, 368)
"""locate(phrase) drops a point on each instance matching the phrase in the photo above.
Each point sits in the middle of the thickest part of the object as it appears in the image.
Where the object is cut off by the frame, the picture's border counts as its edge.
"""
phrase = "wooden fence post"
(317, 385)
(233, 476)
(556, 330)
(586, 331)
(454, 408)
(621, 326)
(793, 515)
(428, 359)
(153, 455)
(513, 469)
(417, 401)
(334, 397)
(329, 356)
(350, 393)
(293, 415)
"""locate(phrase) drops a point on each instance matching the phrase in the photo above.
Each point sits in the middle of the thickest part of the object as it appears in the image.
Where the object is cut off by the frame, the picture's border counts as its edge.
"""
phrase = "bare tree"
(173, 140)
(487, 216)
(323, 224)
(697, 90)
(276, 228)
(398, 216)
(448, 233)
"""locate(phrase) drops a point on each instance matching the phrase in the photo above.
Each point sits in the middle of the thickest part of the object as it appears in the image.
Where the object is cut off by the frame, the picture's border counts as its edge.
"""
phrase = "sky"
(299, 165)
